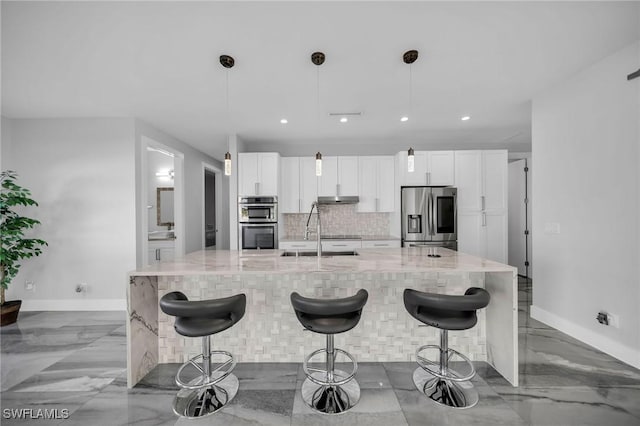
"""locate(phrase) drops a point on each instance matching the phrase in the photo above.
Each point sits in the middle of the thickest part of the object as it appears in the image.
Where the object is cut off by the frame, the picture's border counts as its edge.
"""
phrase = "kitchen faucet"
(318, 231)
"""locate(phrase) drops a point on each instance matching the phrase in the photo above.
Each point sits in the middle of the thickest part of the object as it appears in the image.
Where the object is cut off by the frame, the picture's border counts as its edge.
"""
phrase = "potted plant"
(15, 246)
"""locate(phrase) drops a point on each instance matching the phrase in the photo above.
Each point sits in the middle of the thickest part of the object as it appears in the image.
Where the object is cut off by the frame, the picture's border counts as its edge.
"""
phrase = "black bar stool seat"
(330, 391)
(210, 390)
(441, 383)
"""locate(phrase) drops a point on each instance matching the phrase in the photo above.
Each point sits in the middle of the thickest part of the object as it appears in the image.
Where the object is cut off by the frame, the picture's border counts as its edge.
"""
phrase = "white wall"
(586, 138)
(193, 185)
(81, 172)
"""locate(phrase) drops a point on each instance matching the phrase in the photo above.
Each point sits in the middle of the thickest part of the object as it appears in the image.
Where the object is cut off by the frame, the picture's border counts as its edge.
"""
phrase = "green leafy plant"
(13, 226)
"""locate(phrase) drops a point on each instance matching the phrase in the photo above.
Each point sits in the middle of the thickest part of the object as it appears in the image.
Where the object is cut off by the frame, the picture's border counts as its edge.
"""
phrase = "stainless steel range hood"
(339, 200)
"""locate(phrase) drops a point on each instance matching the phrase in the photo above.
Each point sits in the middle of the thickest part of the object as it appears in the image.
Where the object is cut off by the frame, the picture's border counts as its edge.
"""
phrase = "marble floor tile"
(251, 407)
(625, 397)
(566, 406)
(376, 407)
(69, 378)
(370, 375)
(18, 367)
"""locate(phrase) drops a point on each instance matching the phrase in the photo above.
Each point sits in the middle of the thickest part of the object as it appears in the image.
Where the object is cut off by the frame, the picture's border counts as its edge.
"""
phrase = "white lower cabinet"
(483, 234)
(381, 244)
(160, 251)
(298, 245)
(341, 245)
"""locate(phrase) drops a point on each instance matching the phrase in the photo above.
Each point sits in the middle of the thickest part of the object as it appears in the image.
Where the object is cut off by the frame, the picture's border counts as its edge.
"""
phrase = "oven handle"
(251, 225)
(258, 205)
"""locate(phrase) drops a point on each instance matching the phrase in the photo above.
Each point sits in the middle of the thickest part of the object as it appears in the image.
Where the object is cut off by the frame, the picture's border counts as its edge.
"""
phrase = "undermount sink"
(324, 253)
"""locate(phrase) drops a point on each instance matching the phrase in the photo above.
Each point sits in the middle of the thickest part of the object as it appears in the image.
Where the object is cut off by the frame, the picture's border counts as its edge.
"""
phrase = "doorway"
(520, 216)
(210, 230)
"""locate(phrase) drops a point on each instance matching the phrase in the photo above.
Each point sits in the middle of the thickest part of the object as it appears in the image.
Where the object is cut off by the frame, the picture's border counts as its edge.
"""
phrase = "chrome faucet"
(318, 231)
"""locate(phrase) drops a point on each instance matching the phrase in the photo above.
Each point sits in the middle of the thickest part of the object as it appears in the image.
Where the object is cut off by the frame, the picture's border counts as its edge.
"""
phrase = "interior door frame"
(217, 201)
(178, 200)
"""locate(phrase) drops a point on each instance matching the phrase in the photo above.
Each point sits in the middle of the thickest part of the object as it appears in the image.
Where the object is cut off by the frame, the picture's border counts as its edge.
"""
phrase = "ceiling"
(158, 61)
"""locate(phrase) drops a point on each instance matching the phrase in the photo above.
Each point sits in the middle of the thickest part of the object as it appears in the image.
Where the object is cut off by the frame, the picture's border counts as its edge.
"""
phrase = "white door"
(289, 200)
(517, 217)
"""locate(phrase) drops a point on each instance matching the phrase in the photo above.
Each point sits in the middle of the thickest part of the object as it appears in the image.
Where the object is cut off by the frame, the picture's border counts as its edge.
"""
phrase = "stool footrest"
(216, 375)
(435, 367)
(310, 371)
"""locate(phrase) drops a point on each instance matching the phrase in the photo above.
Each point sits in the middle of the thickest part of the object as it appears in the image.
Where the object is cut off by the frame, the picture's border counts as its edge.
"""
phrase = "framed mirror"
(165, 206)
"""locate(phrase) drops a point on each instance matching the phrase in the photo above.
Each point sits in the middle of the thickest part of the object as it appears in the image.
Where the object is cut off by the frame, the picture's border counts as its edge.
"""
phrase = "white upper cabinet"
(495, 179)
(481, 179)
(289, 201)
(376, 184)
(339, 176)
(299, 184)
(308, 183)
(430, 168)
(258, 173)
(468, 178)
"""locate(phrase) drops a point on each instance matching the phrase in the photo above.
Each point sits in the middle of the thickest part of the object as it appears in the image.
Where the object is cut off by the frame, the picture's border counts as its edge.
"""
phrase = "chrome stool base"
(204, 401)
(449, 393)
(330, 398)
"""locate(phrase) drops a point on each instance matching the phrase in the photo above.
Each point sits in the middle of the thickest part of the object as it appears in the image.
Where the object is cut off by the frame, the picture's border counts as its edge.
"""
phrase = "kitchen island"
(270, 331)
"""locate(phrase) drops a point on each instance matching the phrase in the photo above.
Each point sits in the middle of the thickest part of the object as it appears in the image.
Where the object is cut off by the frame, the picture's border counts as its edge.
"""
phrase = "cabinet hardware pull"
(482, 199)
(484, 219)
(257, 188)
(337, 189)
(428, 178)
(380, 245)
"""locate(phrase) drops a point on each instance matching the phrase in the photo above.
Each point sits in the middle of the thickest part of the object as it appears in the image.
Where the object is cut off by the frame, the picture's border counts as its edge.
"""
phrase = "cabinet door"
(419, 176)
(268, 169)
(468, 179)
(367, 183)
(327, 183)
(495, 230)
(247, 173)
(347, 176)
(440, 168)
(471, 233)
(386, 184)
(289, 201)
(153, 256)
(308, 183)
(495, 171)
(167, 254)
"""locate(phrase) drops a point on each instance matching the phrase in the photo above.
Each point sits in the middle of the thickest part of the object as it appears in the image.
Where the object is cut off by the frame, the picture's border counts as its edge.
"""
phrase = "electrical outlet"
(614, 320)
(551, 228)
(29, 285)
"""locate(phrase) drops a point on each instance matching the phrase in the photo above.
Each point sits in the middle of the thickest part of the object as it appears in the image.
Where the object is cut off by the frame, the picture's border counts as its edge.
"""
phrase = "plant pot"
(10, 310)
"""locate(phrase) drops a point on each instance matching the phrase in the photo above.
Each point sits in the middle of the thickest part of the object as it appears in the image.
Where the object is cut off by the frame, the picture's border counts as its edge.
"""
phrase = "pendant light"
(227, 62)
(411, 165)
(318, 164)
(409, 58)
(318, 59)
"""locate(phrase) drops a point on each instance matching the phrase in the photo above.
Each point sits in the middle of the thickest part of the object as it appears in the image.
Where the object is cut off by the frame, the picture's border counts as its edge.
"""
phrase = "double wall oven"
(258, 222)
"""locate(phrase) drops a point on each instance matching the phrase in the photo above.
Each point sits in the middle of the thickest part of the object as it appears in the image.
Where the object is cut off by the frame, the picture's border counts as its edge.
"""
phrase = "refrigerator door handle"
(431, 215)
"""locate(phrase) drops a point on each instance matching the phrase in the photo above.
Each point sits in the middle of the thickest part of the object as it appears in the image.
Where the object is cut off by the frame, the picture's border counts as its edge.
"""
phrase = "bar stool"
(438, 380)
(211, 389)
(330, 391)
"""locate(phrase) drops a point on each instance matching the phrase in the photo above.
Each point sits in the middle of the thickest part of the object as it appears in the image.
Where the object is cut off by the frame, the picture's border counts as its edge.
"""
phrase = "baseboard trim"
(74, 305)
(605, 344)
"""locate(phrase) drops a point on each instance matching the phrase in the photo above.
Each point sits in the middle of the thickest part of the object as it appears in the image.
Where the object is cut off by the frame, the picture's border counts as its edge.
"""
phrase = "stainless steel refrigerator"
(429, 217)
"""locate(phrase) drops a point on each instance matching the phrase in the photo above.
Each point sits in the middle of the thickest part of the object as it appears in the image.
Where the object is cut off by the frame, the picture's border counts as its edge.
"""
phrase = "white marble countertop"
(402, 260)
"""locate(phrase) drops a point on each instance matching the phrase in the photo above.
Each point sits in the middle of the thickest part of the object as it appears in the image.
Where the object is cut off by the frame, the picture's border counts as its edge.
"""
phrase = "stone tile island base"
(270, 331)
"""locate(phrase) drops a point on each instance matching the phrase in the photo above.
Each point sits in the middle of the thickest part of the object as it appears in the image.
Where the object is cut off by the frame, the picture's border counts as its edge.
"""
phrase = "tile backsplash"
(338, 220)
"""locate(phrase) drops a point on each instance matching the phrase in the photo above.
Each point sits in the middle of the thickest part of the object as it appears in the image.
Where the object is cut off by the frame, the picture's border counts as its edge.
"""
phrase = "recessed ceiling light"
(465, 118)
(284, 121)
(344, 120)
(405, 118)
